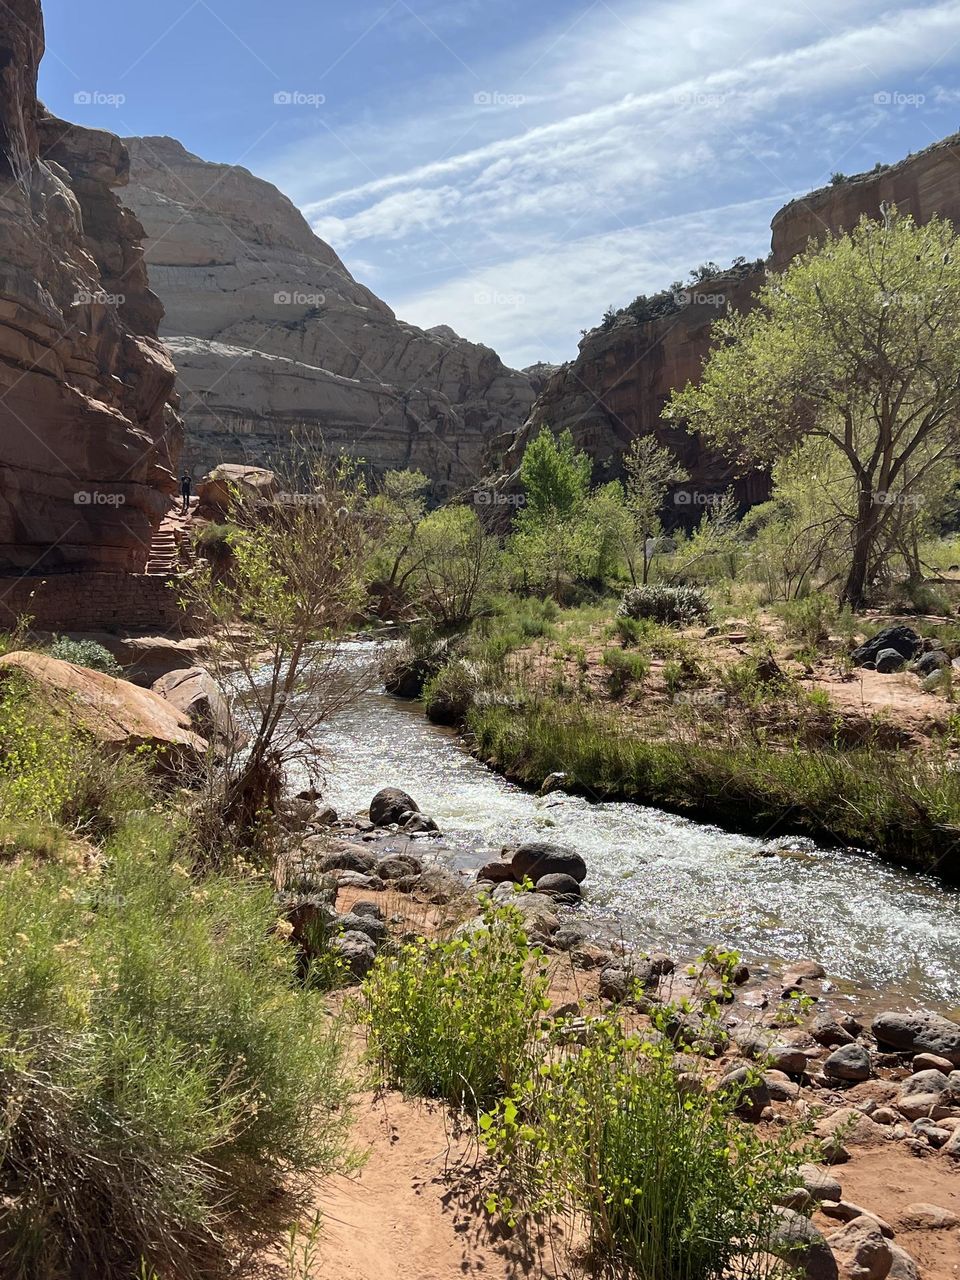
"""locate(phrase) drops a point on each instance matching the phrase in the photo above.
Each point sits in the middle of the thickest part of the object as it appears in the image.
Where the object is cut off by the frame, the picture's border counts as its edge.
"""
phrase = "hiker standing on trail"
(185, 486)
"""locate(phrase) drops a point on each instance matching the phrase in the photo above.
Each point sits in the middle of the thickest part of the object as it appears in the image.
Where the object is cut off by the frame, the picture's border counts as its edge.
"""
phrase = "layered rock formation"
(271, 334)
(623, 376)
(88, 436)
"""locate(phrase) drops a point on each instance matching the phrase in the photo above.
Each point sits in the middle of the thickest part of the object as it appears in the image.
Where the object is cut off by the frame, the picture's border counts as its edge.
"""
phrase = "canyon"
(89, 432)
(274, 339)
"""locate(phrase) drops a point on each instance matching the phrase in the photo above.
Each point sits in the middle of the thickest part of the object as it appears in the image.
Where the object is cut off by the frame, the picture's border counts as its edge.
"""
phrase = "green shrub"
(624, 669)
(85, 653)
(455, 1019)
(809, 619)
(676, 606)
(161, 1068)
(449, 695)
(618, 1135)
(52, 772)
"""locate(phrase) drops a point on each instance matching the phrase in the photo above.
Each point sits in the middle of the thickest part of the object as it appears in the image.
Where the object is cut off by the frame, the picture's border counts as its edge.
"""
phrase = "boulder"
(861, 1251)
(554, 782)
(797, 1241)
(418, 824)
(888, 661)
(348, 858)
(363, 922)
(819, 1184)
(901, 640)
(919, 1031)
(216, 491)
(195, 693)
(398, 866)
(753, 1096)
(562, 887)
(929, 1217)
(849, 1062)
(845, 1128)
(925, 1094)
(497, 872)
(929, 664)
(114, 712)
(389, 805)
(536, 858)
(438, 886)
(356, 950)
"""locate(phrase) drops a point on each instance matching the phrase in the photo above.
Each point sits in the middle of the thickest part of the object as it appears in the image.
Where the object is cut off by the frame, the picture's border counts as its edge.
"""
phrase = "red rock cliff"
(622, 378)
(89, 438)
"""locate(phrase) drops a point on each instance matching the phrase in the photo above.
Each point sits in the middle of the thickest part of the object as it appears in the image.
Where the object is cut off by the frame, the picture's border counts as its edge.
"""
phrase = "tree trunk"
(864, 533)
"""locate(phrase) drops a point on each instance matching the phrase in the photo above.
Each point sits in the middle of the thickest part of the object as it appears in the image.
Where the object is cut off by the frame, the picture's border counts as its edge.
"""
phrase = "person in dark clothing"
(185, 486)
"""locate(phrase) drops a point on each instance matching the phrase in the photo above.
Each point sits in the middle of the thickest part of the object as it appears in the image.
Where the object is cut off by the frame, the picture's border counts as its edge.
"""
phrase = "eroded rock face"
(617, 386)
(271, 333)
(89, 438)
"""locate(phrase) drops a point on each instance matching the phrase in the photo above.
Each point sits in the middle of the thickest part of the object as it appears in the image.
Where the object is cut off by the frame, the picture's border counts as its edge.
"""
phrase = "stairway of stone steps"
(171, 550)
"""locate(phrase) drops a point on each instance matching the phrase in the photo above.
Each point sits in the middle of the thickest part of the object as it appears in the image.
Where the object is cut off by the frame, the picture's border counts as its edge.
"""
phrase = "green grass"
(455, 1019)
(905, 807)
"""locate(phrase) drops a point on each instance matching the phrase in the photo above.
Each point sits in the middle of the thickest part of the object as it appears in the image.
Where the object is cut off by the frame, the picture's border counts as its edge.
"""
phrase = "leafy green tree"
(555, 476)
(552, 535)
(651, 469)
(856, 344)
(456, 564)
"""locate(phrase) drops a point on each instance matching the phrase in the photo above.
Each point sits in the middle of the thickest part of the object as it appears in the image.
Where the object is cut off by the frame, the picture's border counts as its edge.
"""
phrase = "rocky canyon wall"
(620, 381)
(272, 336)
(89, 437)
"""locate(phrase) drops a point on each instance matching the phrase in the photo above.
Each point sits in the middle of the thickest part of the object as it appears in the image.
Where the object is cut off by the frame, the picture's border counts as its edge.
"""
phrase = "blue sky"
(512, 167)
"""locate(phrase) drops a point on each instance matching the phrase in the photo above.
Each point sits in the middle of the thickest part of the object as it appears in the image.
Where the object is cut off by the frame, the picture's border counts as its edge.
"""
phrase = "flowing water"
(659, 879)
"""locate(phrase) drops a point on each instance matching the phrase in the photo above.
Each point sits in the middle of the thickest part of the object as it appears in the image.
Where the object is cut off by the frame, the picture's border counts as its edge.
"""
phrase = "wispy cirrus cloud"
(600, 157)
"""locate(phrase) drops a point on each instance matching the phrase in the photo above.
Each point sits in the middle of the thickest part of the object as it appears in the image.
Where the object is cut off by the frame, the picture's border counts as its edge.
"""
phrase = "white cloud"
(637, 117)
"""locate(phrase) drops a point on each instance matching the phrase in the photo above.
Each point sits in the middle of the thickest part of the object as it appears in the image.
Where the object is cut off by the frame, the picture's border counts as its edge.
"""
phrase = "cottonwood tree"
(455, 565)
(856, 344)
(552, 535)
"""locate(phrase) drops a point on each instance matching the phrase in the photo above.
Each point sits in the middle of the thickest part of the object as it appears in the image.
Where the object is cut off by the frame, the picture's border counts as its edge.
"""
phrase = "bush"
(618, 1135)
(166, 1069)
(677, 606)
(455, 1019)
(85, 653)
(809, 619)
(51, 772)
(450, 694)
(624, 669)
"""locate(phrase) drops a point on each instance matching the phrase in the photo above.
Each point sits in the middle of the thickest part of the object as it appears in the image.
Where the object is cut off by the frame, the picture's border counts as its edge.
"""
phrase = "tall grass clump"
(455, 1019)
(627, 1142)
(160, 1068)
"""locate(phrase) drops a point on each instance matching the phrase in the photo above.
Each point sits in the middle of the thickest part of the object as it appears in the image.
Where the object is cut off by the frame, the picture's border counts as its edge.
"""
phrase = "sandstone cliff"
(271, 333)
(617, 386)
(88, 437)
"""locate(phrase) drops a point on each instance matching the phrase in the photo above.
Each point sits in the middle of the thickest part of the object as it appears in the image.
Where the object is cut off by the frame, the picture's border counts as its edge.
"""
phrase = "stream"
(655, 878)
